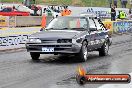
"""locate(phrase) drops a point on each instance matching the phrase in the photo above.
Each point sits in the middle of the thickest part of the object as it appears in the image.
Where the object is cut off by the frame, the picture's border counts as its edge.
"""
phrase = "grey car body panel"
(49, 34)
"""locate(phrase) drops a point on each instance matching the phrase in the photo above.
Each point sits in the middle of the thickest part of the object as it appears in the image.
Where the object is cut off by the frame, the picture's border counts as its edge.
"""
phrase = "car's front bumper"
(59, 48)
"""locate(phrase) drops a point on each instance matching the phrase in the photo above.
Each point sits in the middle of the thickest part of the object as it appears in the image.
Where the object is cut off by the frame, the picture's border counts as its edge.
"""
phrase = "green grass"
(94, 3)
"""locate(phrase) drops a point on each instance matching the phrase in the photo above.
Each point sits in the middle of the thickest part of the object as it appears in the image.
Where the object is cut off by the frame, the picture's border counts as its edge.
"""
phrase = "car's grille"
(49, 41)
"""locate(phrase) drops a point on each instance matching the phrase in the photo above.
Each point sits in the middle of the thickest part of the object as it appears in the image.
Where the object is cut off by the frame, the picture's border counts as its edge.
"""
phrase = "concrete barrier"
(109, 25)
(18, 31)
(122, 26)
(4, 21)
(28, 21)
(12, 38)
(12, 42)
(21, 21)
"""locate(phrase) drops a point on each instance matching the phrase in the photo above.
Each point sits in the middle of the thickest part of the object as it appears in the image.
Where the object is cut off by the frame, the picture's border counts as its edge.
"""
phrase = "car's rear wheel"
(103, 51)
(83, 52)
(35, 56)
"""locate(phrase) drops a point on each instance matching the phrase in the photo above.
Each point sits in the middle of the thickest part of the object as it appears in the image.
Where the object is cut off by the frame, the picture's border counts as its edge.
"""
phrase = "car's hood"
(56, 34)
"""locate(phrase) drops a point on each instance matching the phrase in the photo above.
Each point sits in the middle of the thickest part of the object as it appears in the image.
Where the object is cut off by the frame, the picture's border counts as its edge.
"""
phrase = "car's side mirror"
(93, 29)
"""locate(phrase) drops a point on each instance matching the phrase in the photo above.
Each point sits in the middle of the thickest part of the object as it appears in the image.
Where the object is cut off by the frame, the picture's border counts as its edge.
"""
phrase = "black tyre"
(83, 52)
(35, 56)
(103, 51)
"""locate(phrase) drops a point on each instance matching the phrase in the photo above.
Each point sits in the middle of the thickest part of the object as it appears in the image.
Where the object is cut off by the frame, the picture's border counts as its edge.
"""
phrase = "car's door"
(93, 34)
(100, 37)
(17, 13)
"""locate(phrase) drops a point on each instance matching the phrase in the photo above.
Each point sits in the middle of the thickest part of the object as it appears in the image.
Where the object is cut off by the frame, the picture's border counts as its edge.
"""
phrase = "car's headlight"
(33, 40)
(78, 40)
(73, 40)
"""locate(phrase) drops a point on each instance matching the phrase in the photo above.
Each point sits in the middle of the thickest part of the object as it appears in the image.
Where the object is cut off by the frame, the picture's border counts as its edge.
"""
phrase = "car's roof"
(70, 16)
(88, 14)
(83, 16)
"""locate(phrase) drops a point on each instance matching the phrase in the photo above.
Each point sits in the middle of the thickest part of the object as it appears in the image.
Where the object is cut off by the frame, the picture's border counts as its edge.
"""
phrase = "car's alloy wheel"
(35, 56)
(103, 51)
(83, 52)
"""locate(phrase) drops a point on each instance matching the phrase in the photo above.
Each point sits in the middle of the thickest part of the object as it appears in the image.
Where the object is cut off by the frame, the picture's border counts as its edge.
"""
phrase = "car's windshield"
(68, 23)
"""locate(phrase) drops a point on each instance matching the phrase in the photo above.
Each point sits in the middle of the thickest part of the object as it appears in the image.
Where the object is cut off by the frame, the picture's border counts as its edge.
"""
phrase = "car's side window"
(7, 10)
(99, 27)
(101, 24)
(103, 28)
(91, 23)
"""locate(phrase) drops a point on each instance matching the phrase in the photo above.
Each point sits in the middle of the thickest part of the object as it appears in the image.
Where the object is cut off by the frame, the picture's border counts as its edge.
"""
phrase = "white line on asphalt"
(117, 85)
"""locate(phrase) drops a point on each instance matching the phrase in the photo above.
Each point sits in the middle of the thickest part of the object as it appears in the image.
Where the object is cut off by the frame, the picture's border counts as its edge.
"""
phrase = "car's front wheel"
(83, 52)
(35, 56)
(103, 51)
